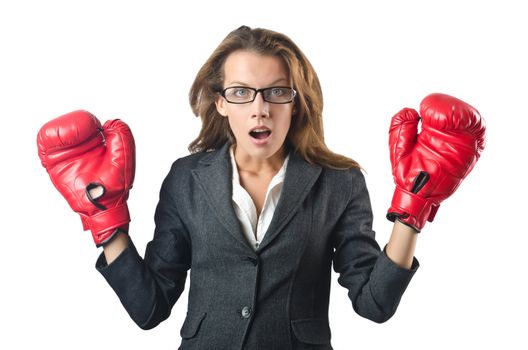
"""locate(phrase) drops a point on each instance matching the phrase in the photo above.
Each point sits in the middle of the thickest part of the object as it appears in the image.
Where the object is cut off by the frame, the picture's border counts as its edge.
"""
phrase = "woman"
(261, 209)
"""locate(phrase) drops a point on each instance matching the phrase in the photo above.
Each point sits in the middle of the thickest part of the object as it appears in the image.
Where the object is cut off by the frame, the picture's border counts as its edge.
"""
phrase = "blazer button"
(246, 312)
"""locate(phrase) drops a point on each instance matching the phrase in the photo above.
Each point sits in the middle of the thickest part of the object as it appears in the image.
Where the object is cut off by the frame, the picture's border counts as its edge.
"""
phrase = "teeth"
(260, 130)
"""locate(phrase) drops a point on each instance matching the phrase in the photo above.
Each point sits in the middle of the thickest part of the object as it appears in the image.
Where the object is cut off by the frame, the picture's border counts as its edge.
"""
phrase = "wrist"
(115, 246)
(402, 244)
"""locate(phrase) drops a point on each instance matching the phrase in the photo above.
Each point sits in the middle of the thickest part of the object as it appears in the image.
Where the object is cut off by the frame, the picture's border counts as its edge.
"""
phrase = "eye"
(277, 91)
(240, 92)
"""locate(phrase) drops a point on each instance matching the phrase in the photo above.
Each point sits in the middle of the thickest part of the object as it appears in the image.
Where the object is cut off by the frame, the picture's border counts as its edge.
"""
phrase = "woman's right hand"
(93, 167)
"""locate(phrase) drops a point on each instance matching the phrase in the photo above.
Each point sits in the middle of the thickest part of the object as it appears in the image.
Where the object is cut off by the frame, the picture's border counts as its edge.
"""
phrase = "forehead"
(254, 69)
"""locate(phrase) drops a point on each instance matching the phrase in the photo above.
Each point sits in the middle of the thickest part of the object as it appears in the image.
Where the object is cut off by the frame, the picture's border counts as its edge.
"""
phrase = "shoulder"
(345, 185)
(191, 161)
(182, 168)
(331, 181)
(201, 159)
(351, 178)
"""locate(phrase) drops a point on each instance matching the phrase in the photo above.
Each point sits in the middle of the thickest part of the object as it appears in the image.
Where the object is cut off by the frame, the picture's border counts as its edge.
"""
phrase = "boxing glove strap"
(106, 222)
(411, 209)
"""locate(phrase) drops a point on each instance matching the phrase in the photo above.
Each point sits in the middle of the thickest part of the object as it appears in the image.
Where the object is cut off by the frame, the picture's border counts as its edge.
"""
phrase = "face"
(260, 127)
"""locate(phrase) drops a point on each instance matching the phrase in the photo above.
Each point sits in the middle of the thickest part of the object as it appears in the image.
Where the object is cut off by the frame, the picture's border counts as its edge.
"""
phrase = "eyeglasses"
(244, 94)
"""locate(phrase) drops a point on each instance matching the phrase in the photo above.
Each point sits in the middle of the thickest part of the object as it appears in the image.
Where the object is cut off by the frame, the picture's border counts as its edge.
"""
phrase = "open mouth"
(260, 134)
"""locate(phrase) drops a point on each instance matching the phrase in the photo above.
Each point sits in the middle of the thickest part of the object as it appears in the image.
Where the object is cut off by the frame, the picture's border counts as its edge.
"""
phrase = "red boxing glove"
(428, 167)
(92, 167)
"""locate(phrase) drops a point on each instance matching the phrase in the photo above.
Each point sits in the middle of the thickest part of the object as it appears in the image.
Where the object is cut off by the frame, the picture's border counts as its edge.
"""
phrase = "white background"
(136, 60)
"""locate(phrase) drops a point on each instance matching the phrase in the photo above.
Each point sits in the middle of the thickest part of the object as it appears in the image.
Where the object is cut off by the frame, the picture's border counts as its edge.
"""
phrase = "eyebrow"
(244, 84)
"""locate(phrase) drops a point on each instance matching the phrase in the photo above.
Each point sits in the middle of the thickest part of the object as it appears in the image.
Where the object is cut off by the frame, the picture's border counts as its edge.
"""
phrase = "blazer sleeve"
(148, 288)
(375, 284)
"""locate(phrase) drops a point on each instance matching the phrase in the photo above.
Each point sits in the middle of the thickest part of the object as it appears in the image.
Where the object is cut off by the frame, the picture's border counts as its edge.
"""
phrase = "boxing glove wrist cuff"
(104, 224)
(411, 209)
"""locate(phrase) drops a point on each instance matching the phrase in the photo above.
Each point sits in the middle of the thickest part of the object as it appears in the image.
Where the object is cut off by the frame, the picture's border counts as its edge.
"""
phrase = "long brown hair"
(305, 136)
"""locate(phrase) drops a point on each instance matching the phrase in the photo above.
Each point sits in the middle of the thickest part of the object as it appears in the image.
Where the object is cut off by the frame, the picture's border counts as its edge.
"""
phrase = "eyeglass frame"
(294, 93)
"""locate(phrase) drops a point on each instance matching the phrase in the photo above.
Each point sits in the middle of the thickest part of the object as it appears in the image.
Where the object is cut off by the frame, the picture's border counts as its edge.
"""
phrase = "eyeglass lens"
(242, 94)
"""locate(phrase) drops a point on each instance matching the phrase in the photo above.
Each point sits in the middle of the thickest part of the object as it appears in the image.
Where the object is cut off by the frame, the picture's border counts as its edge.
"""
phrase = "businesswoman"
(262, 209)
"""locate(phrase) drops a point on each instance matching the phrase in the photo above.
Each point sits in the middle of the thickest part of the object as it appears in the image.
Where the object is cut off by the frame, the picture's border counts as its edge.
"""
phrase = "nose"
(259, 107)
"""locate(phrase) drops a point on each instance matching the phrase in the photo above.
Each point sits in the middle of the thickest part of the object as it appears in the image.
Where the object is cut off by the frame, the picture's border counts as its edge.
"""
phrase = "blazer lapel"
(215, 177)
(299, 180)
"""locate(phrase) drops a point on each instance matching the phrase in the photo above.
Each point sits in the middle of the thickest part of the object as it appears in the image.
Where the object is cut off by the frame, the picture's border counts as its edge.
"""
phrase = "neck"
(248, 164)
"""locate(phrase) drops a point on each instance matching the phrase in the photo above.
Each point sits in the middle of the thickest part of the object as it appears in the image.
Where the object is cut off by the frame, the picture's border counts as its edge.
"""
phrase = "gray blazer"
(275, 297)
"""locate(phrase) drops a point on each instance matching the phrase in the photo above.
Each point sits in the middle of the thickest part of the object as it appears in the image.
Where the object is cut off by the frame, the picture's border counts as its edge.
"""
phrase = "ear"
(220, 104)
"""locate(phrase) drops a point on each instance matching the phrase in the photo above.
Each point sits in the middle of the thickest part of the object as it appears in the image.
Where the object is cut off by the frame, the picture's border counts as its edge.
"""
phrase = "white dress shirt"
(253, 229)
